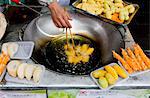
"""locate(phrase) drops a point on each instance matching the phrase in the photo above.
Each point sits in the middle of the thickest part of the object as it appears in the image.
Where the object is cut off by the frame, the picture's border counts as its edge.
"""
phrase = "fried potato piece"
(84, 1)
(79, 5)
(91, 1)
(85, 6)
(79, 54)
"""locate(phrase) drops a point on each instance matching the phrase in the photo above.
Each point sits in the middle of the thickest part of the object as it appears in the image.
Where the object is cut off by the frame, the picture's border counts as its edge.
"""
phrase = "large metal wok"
(42, 30)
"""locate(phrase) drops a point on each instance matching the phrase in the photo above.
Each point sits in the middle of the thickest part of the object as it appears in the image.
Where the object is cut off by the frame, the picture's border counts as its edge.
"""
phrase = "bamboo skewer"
(73, 44)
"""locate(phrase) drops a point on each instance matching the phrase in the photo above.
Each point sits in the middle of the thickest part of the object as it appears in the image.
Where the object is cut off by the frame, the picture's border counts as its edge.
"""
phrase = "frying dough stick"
(136, 52)
(143, 56)
(131, 63)
(131, 54)
(124, 63)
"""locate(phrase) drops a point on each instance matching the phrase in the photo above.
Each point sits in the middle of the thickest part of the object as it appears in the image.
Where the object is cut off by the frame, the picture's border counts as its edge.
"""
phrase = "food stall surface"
(72, 93)
(53, 79)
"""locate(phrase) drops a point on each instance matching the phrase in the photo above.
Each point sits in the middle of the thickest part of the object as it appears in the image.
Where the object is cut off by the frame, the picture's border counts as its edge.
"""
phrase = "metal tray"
(104, 18)
(9, 78)
(120, 80)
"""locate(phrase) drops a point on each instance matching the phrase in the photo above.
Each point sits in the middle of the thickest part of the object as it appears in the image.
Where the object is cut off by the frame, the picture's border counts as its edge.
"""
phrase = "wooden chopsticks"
(73, 44)
(67, 38)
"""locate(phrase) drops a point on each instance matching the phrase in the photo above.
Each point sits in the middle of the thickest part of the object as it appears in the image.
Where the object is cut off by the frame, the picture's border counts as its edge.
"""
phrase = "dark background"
(139, 26)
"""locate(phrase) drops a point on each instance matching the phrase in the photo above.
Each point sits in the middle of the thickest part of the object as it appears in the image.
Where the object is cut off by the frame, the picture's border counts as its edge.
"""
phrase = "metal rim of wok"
(53, 58)
(108, 36)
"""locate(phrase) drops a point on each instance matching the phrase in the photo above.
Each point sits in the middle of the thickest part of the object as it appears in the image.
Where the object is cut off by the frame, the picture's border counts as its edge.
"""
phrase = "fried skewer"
(131, 54)
(1, 57)
(143, 56)
(131, 63)
(123, 62)
(142, 64)
(3, 61)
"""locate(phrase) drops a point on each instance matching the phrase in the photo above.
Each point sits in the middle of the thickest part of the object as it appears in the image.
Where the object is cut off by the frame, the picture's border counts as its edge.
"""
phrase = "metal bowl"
(42, 30)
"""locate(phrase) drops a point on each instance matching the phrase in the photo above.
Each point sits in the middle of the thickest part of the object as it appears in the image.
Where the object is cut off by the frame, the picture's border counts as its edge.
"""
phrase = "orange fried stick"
(131, 63)
(1, 68)
(4, 60)
(142, 64)
(131, 54)
(143, 56)
(1, 57)
(123, 62)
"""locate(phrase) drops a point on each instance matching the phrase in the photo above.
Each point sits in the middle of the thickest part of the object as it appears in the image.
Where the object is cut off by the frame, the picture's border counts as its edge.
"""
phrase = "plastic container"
(135, 73)
(110, 86)
(2, 75)
(25, 50)
(9, 78)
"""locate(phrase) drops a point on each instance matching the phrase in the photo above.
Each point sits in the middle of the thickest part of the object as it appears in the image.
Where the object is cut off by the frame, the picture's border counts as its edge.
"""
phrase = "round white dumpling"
(21, 70)
(37, 74)
(12, 67)
(29, 71)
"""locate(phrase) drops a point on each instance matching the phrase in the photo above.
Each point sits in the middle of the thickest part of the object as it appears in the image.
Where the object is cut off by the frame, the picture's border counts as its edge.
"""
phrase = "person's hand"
(59, 16)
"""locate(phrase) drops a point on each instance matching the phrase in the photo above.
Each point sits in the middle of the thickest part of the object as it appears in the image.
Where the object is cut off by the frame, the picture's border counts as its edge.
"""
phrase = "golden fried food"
(81, 53)
(133, 60)
(129, 60)
(107, 8)
(123, 62)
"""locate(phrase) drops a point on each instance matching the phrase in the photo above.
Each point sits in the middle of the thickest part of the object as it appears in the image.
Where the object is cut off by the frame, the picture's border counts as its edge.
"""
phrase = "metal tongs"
(19, 2)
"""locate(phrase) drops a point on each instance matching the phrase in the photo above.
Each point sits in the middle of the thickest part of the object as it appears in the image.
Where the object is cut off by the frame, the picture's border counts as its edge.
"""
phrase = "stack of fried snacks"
(133, 61)
(4, 59)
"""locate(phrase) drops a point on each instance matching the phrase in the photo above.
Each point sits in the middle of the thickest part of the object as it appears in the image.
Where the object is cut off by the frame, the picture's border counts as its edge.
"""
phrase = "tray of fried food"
(134, 61)
(108, 76)
(113, 11)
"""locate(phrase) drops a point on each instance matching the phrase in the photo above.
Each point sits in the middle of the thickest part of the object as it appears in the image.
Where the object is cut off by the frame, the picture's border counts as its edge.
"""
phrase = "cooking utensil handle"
(18, 2)
(31, 8)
